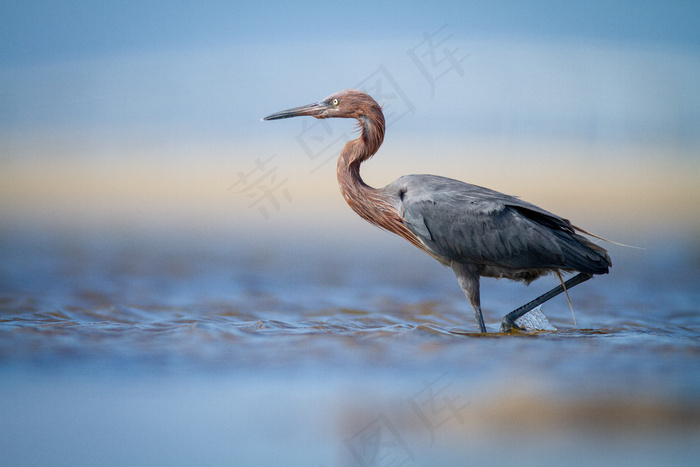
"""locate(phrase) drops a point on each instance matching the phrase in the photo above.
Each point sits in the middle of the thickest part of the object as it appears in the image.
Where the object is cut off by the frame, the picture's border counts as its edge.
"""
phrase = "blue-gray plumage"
(474, 230)
(468, 223)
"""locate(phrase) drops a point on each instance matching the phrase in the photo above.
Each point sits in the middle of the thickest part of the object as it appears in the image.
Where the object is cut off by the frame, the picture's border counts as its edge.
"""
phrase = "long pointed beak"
(314, 110)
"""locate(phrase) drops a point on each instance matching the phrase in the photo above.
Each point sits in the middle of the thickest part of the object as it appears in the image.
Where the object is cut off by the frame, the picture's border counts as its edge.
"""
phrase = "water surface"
(164, 348)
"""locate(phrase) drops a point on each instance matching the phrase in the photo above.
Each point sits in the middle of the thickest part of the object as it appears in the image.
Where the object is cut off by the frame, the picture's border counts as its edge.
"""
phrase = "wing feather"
(468, 223)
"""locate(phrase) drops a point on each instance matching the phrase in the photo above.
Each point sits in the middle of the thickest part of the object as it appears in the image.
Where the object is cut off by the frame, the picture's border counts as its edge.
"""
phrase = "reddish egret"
(473, 230)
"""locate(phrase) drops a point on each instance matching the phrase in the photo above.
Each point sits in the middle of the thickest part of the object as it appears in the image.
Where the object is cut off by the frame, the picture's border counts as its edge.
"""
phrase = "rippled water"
(161, 348)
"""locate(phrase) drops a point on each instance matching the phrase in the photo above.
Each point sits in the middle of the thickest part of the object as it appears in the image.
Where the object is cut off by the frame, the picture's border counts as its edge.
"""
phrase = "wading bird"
(473, 230)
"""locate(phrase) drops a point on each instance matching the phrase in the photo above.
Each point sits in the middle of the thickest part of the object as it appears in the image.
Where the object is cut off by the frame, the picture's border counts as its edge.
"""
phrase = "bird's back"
(496, 232)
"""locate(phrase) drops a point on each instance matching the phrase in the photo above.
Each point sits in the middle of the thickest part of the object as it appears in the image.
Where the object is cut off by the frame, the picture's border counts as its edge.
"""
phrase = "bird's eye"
(335, 102)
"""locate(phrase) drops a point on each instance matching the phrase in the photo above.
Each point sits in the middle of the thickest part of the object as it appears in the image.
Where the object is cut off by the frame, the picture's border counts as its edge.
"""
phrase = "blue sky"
(46, 30)
(105, 87)
(595, 69)
(182, 67)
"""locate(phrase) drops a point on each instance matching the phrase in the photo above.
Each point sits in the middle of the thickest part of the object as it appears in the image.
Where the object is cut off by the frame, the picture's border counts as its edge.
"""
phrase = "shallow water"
(165, 348)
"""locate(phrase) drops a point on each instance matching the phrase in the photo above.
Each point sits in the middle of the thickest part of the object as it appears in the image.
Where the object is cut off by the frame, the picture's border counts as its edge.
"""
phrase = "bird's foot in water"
(508, 325)
(532, 321)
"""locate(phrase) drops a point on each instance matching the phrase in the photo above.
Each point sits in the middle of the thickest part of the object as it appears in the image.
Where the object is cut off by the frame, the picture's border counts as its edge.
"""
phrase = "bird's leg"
(508, 321)
(469, 281)
(479, 317)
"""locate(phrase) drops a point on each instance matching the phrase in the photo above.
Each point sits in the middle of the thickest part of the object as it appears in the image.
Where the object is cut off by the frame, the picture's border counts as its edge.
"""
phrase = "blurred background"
(148, 113)
(170, 259)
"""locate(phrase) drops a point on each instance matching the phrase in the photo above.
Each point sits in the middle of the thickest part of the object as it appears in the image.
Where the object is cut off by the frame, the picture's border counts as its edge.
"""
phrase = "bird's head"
(349, 103)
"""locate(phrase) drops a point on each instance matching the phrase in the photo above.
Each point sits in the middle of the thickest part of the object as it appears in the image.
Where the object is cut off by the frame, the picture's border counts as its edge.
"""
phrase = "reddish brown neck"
(369, 203)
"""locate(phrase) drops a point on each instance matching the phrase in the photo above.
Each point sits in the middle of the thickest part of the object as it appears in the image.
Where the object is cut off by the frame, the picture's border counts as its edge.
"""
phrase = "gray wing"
(469, 223)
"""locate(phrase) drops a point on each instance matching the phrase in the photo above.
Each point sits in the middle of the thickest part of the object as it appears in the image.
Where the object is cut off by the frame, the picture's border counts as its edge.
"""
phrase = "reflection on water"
(209, 350)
